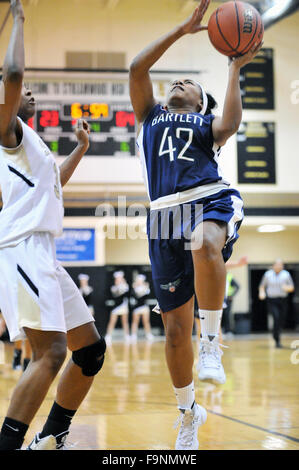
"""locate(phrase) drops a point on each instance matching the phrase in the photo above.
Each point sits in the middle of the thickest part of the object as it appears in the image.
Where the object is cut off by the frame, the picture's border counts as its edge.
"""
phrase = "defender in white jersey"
(179, 144)
(38, 298)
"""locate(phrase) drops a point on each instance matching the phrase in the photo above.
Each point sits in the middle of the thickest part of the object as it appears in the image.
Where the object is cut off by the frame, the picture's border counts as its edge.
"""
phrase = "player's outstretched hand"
(82, 132)
(17, 9)
(246, 58)
(193, 23)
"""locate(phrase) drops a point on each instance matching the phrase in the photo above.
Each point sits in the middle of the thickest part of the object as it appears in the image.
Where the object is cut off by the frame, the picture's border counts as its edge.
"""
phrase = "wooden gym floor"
(132, 406)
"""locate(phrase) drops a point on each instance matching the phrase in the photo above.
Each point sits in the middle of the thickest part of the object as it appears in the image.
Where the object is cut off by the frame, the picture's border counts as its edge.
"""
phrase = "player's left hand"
(239, 62)
(82, 132)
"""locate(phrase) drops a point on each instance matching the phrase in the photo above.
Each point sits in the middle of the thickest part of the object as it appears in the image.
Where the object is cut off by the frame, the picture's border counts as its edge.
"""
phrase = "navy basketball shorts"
(169, 231)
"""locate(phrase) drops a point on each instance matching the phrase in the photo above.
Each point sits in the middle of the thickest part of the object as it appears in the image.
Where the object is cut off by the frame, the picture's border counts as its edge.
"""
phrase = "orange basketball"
(234, 28)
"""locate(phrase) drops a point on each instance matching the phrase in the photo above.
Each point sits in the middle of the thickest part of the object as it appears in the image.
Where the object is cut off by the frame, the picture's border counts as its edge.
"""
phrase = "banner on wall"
(256, 153)
(257, 82)
(76, 244)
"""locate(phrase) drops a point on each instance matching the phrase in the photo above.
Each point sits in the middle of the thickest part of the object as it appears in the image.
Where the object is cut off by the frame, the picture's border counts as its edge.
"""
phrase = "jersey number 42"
(171, 150)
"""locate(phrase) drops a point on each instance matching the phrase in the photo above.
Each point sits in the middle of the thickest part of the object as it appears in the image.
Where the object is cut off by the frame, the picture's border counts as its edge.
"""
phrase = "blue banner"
(76, 244)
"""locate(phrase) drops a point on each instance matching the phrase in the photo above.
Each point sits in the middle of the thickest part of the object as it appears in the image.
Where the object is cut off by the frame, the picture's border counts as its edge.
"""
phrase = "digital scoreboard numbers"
(112, 127)
(256, 153)
(257, 83)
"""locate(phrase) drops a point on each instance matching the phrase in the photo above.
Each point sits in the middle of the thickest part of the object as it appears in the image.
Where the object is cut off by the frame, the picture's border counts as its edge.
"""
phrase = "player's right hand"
(193, 23)
(82, 132)
(17, 9)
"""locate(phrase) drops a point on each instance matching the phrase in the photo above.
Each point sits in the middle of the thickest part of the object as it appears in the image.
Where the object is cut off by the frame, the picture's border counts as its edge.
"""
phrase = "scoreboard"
(103, 101)
(112, 127)
(101, 98)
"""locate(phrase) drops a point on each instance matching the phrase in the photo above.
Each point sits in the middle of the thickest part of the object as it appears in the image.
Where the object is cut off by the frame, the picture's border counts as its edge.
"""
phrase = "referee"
(275, 285)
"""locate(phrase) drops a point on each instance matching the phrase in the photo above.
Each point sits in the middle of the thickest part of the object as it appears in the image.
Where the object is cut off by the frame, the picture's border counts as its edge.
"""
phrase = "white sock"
(185, 396)
(210, 323)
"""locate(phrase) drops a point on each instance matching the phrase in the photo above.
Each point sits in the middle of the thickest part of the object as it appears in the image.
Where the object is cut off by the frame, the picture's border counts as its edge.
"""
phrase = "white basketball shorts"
(35, 290)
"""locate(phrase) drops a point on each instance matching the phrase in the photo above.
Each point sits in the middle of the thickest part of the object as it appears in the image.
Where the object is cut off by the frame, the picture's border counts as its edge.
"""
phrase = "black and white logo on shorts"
(171, 286)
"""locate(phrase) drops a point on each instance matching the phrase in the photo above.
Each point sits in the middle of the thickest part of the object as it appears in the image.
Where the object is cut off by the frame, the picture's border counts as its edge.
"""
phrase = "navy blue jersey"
(177, 152)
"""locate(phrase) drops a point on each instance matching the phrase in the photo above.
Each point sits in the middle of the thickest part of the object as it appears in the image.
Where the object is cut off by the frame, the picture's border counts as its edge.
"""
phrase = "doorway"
(258, 308)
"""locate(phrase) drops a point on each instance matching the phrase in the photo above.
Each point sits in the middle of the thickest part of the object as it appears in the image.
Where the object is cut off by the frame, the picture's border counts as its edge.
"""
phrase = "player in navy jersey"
(179, 145)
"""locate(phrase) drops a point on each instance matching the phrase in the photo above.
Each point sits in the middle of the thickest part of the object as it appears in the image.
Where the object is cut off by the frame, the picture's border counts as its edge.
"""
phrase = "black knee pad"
(91, 358)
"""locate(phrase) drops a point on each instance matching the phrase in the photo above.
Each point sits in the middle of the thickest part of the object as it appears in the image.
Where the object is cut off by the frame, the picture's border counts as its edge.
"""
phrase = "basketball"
(234, 28)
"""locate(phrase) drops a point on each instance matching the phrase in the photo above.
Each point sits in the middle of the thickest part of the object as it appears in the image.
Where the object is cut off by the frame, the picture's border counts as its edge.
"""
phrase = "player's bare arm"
(141, 89)
(13, 73)
(68, 167)
(225, 126)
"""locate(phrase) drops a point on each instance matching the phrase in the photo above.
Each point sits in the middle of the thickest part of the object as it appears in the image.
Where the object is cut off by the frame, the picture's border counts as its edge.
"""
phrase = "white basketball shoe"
(209, 364)
(48, 443)
(190, 421)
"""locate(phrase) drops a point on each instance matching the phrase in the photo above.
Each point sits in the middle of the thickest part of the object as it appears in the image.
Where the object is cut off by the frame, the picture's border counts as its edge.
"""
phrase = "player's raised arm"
(141, 89)
(13, 73)
(69, 165)
(225, 126)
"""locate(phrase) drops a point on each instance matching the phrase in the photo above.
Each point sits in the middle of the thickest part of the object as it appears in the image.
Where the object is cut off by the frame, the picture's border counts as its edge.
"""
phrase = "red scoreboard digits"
(49, 118)
(124, 118)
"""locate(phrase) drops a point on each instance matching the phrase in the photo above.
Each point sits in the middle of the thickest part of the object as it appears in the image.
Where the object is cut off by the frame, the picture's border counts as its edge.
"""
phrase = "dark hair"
(211, 104)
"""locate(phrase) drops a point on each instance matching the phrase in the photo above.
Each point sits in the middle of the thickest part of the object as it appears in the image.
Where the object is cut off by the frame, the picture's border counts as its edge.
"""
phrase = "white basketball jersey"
(31, 190)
